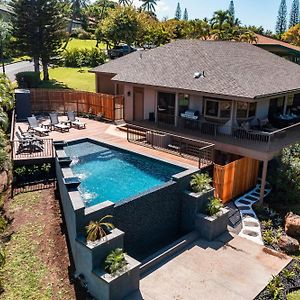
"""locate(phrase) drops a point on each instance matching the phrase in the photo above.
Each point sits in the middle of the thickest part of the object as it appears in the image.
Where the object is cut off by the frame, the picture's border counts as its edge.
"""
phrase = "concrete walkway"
(218, 270)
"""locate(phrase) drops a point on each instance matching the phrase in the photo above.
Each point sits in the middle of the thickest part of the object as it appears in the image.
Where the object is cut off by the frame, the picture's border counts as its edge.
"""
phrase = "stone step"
(166, 252)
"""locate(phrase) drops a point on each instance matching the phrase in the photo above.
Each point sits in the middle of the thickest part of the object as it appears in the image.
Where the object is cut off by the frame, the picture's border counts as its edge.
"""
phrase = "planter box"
(121, 285)
(192, 204)
(211, 227)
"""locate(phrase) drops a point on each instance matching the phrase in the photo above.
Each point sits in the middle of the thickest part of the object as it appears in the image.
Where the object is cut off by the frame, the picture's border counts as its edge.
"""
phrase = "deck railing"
(267, 141)
(22, 153)
(200, 151)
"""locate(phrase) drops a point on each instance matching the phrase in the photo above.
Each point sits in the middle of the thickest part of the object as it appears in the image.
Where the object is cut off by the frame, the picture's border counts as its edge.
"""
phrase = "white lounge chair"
(75, 122)
(34, 125)
(56, 124)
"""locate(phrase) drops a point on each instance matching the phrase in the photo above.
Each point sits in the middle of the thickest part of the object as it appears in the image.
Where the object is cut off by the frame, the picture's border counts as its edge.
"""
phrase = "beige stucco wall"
(149, 102)
(104, 84)
(128, 102)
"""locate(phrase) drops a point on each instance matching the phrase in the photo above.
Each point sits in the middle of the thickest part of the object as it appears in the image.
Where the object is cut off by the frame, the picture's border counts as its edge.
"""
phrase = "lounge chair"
(28, 145)
(73, 121)
(56, 124)
(33, 125)
(30, 136)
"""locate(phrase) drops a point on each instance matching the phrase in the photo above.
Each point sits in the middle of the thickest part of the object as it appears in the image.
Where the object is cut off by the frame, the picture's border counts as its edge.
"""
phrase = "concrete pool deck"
(107, 133)
(219, 270)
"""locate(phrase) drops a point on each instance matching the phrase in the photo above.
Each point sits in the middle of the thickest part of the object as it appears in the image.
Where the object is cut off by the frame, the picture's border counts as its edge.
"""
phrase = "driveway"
(220, 270)
(12, 69)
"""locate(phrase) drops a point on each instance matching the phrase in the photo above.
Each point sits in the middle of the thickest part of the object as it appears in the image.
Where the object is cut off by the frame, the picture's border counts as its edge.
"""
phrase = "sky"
(250, 12)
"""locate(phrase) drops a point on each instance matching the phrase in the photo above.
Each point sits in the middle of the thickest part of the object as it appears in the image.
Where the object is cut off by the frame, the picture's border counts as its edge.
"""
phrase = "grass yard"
(83, 44)
(37, 259)
(73, 78)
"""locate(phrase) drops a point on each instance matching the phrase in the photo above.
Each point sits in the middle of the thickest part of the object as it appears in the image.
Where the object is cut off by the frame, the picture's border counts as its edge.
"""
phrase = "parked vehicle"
(120, 50)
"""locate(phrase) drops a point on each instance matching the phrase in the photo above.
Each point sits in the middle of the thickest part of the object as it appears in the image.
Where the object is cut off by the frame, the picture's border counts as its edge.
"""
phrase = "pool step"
(166, 252)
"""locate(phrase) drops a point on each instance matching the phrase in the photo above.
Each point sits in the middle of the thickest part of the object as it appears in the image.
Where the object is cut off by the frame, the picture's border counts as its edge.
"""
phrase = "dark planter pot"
(210, 227)
(192, 204)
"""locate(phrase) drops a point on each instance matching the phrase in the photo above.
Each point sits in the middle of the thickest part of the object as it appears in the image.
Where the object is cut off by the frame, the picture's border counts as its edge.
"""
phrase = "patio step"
(167, 252)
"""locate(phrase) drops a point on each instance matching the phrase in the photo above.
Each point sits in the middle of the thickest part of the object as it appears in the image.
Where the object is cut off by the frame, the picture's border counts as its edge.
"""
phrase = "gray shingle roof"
(231, 69)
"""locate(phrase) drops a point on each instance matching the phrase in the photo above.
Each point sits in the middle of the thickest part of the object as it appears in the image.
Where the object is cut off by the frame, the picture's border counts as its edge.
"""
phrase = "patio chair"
(56, 124)
(75, 122)
(33, 125)
(30, 136)
(27, 145)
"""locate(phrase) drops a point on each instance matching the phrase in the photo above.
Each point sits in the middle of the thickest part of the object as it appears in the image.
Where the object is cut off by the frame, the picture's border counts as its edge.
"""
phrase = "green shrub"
(81, 34)
(115, 262)
(3, 158)
(200, 182)
(275, 288)
(77, 58)
(214, 206)
(28, 79)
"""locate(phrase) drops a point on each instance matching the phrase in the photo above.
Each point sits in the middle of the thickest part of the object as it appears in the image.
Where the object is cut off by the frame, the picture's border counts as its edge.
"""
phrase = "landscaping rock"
(292, 225)
(288, 244)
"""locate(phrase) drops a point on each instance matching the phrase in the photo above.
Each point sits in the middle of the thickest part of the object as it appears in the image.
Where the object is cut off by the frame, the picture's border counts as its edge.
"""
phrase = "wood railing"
(236, 135)
(200, 151)
(110, 107)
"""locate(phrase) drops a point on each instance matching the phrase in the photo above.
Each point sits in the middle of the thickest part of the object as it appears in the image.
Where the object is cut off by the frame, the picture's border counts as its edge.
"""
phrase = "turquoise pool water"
(108, 173)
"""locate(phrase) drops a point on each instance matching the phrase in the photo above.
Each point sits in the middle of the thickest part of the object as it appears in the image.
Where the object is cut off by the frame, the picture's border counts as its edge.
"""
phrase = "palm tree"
(96, 230)
(125, 2)
(149, 5)
(220, 18)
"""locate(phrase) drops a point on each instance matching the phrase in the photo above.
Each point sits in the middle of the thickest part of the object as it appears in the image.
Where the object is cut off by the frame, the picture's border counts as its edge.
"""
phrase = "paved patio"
(107, 132)
(218, 270)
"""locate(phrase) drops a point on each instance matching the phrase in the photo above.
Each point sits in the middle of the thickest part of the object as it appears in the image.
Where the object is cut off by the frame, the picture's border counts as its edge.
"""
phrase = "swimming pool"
(109, 173)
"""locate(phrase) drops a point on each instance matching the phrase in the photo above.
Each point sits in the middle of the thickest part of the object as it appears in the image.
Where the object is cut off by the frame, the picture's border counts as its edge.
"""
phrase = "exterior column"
(176, 109)
(285, 104)
(263, 181)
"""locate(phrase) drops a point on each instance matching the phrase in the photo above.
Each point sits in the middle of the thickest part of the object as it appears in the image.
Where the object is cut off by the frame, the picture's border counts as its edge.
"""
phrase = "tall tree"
(294, 16)
(149, 5)
(185, 15)
(38, 27)
(281, 24)
(5, 33)
(231, 9)
(178, 12)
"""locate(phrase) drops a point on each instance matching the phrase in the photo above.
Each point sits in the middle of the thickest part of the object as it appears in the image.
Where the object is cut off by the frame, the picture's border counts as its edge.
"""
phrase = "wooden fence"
(235, 178)
(108, 106)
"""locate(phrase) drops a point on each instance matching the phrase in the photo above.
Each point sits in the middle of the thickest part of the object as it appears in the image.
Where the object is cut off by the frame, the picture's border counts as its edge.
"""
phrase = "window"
(183, 103)
(212, 108)
(218, 109)
(245, 110)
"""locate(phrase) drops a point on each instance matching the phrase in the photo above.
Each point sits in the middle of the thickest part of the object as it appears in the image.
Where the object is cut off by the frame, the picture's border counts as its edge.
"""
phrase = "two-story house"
(243, 99)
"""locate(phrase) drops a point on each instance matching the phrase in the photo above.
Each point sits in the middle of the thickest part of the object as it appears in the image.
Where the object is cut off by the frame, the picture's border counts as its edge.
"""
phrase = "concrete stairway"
(250, 224)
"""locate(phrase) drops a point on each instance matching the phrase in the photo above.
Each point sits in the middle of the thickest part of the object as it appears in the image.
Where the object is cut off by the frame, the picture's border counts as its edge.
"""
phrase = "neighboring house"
(6, 12)
(280, 48)
(244, 100)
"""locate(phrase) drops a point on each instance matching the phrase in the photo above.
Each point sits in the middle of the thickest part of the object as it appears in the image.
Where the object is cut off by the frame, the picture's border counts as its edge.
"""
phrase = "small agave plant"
(115, 262)
(97, 230)
(200, 182)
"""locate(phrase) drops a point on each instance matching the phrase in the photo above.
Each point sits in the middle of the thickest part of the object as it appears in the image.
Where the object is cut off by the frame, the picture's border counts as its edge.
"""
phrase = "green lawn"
(73, 78)
(81, 44)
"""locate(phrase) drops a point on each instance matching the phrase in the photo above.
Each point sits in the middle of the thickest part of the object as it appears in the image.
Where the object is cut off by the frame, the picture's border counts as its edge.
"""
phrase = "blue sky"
(250, 12)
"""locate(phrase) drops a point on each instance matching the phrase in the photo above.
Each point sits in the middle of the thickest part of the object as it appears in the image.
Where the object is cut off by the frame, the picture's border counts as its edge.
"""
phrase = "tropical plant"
(149, 5)
(96, 230)
(125, 2)
(275, 287)
(289, 275)
(6, 101)
(292, 35)
(214, 206)
(115, 262)
(200, 182)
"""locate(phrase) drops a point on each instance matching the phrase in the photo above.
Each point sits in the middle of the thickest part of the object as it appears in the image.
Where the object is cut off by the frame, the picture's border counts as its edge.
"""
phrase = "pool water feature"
(109, 173)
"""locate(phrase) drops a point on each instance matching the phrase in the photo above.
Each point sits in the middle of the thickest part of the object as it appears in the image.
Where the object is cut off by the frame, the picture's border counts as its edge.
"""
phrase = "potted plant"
(115, 262)
(96, 230)
(214, 221)
(195, 199)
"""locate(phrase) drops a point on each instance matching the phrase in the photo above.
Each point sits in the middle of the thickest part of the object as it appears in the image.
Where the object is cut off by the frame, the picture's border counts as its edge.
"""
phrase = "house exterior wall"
(128, 102)
(149, 102)
(104, 84)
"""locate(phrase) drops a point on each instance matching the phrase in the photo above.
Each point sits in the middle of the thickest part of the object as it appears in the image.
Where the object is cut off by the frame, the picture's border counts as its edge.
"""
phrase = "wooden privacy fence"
(235, 178)
(110, 107)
